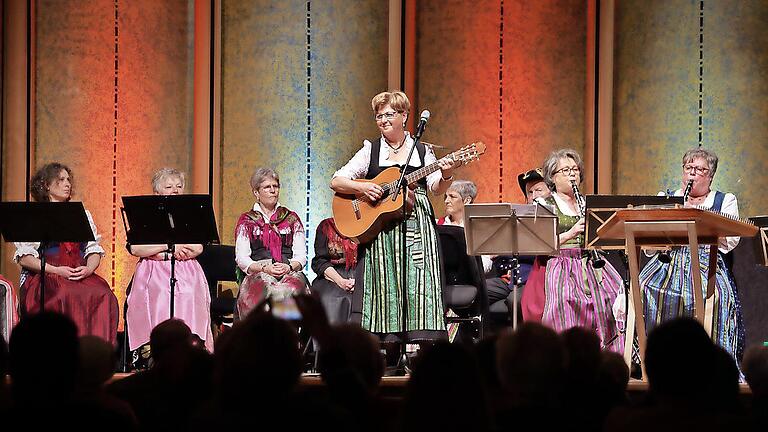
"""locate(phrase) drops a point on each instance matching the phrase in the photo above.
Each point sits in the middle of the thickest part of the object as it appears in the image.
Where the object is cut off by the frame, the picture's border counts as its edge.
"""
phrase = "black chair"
(464, 289)
(218, 263)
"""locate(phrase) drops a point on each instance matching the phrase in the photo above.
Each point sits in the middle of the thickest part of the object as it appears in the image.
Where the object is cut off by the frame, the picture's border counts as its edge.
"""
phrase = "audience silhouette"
(531, 378)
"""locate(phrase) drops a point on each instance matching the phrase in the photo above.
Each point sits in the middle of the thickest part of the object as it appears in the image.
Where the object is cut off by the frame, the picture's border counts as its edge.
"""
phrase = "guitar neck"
(421, 173)
(413, 177)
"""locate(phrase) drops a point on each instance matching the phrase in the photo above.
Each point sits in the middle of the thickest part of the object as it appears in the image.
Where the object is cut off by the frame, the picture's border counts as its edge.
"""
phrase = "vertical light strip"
(596, 102)
(395, 46)
(701, 72)
(114, 156)
(501, 101)
(307, 221)
(30, 99)
(212, 82)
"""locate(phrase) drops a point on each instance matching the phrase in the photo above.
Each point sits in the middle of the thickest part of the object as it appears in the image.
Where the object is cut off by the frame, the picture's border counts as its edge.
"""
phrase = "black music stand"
(169, 220)
(44, 222)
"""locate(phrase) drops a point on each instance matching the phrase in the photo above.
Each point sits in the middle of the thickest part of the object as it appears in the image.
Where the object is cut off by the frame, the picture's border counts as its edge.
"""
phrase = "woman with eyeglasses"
(576, 293)
(377, 302)
(270, 247)
(150, 294)
(669, 286)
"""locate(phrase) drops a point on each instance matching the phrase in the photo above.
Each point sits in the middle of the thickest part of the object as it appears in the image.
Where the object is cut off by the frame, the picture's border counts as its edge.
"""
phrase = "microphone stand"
(403, 188)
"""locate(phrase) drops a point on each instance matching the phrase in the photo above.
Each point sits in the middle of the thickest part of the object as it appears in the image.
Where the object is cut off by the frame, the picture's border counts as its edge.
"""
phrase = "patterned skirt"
(669, 294)
(578, 295)
(381, 294)
(259, 286)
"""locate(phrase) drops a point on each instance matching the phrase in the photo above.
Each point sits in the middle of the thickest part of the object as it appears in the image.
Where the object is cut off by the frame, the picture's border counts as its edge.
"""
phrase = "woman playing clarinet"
(580, 291)
(667, 280)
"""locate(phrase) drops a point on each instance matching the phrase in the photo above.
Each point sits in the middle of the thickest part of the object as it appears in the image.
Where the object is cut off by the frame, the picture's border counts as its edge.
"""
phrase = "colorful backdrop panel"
(349, 67)
(691, 73)
(114, 102)
(296, 89)
(509, 73)
(264, 103)
(544, 77)
(656, 93)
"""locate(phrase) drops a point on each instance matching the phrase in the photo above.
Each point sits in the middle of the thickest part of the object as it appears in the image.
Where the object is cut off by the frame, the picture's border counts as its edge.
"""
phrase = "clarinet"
(687, 192)
(597, 261)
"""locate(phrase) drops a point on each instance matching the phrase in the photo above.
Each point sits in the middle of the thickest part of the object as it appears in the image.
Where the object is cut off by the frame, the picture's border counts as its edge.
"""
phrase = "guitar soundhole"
(384, 195)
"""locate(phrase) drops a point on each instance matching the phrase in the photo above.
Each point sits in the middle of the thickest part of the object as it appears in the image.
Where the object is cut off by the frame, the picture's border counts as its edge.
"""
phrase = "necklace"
(394, 150)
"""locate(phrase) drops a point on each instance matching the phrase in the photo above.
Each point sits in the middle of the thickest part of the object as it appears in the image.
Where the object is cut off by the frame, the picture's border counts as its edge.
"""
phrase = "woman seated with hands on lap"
(270, 247)
(150, 293)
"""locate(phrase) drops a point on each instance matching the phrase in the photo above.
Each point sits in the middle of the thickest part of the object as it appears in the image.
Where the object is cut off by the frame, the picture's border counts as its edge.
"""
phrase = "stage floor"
(395, 385)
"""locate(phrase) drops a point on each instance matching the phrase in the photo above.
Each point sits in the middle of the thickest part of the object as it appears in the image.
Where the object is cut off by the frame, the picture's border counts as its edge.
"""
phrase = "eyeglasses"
(387, 115)
(568, 170)
(696, 169)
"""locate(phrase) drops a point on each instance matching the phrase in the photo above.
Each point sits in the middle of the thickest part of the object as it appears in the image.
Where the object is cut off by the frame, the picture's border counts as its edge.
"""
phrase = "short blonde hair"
(705, 154)
(550, 165)
(261, 174)
(396, 99)
(164, 173)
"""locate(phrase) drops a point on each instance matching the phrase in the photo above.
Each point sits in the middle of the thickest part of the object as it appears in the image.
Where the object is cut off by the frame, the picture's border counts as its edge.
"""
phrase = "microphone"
(422, 125)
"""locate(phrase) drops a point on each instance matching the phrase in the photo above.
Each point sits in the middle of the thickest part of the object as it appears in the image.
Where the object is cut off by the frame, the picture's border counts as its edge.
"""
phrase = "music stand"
(169, 220)
(601, 207)
(761, 240)
(511, 229)
(44, 222)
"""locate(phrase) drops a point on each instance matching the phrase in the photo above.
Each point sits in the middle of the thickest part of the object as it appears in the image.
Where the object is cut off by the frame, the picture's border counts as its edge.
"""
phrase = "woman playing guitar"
(377, 302)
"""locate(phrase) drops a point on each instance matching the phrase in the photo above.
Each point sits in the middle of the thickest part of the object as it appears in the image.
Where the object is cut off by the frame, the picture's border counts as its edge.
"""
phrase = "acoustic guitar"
(361, 220)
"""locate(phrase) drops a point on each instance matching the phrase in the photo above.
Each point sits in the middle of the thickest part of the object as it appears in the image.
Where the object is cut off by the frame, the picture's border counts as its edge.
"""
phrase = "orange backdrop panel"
(511, 74)
(114, 102)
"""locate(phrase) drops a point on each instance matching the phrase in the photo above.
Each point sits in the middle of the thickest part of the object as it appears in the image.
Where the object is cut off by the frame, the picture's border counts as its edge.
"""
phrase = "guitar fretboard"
(414, 176)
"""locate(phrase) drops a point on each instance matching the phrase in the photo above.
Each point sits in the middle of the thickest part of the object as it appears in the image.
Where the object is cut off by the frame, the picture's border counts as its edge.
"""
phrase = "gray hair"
(261, 174)
(164, 173)
(465, 188)
(550, 165)
(705, 154)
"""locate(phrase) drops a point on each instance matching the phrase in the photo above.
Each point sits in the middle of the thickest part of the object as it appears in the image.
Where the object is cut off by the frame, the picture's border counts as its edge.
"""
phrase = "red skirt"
(90, 303)
(534, 296)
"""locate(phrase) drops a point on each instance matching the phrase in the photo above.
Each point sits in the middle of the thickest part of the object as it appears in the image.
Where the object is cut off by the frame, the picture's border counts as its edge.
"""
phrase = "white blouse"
(730, 207)
(243, 246)
(31, 248)
(357, 167)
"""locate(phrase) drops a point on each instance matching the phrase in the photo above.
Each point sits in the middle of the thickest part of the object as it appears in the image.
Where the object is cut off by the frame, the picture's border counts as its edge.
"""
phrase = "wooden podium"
(661, 227)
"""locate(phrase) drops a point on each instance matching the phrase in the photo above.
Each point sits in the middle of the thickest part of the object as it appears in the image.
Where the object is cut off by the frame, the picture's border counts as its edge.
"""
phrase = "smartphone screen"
(286, 309)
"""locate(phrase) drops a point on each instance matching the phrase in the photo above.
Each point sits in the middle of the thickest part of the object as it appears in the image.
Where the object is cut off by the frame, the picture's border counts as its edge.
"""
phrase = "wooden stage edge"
(394, 382)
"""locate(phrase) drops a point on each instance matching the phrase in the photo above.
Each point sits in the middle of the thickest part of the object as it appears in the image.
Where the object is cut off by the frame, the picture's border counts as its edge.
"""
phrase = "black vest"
(260, 252)
(375, 169)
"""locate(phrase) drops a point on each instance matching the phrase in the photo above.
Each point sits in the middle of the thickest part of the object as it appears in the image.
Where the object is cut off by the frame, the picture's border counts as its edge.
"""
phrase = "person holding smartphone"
(270, 247)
